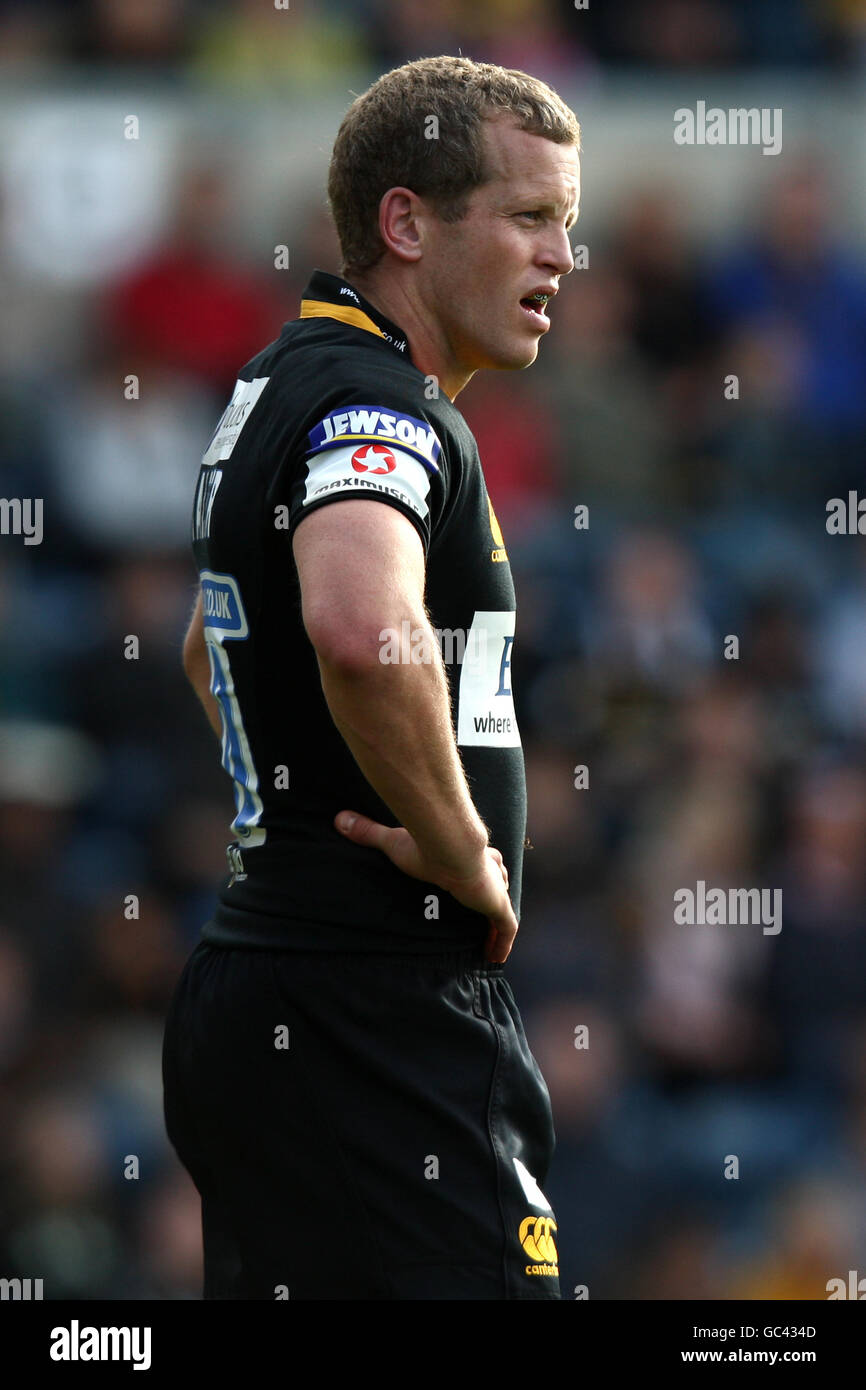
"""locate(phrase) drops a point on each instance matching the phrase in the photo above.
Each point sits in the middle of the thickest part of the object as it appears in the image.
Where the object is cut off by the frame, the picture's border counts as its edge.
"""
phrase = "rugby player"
(347, 1077)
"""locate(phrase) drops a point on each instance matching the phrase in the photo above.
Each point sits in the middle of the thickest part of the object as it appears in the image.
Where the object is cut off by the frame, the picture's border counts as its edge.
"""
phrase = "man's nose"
(559, 255)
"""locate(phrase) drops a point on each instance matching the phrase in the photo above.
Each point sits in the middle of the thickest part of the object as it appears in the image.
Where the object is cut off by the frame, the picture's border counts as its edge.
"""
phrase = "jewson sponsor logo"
(77, 1343)
(370, 422)
(738, 126)
(703, 906)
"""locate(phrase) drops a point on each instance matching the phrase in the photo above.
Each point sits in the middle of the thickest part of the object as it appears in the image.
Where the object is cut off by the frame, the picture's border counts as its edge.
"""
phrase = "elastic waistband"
(413, 955)
(470, 958)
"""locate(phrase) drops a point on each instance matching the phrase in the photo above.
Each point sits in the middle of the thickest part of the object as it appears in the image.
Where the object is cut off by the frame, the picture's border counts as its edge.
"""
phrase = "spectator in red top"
(191, 305)
(519, 447)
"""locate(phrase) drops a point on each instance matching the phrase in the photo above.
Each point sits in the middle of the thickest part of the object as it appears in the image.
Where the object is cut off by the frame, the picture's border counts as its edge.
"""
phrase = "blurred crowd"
(702, 406)
(741, 765)
(249, 43)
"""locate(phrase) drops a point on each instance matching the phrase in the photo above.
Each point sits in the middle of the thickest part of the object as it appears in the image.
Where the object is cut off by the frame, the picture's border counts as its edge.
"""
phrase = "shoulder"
(333, 359)
(365, 389)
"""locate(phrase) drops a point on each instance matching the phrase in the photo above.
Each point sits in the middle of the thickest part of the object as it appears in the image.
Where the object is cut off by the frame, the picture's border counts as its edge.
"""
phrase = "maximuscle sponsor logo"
(536, 1239)
(703, 906)
(373, 458)
(373, 423)
(387, 470)
(77, 1343)
(363, 484)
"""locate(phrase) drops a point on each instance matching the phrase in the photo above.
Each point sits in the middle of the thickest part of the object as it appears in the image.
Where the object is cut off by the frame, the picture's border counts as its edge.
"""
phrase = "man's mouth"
(535, 305)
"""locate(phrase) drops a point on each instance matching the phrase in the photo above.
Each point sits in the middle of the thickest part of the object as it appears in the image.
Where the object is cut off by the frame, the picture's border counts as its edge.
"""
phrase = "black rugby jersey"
(335, 408)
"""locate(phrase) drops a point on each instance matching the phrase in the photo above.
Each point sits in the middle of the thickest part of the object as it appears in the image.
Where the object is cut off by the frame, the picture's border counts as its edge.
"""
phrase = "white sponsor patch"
(373, 468)
(233, 419)
(532, 1191)
(486, 713)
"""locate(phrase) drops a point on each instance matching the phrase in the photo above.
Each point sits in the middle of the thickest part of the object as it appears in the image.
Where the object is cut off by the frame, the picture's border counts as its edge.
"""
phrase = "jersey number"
(225, 620)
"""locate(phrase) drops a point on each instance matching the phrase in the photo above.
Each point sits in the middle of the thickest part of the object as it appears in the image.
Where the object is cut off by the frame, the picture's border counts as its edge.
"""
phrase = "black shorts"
(360, 1127)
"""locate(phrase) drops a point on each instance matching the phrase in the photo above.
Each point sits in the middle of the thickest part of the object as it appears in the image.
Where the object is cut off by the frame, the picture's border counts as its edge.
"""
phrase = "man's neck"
(397, 301)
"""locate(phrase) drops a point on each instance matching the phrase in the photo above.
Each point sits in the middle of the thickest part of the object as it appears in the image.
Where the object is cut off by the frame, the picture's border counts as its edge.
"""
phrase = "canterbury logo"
(500, 552)
(537, 1240)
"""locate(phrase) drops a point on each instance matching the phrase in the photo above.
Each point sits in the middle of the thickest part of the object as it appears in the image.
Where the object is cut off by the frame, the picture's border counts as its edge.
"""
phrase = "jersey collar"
(330, 296)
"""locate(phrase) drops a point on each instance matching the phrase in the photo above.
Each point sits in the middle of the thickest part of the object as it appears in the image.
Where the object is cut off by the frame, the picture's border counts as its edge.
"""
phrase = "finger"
(497, 855)
(490, 944)
(362, 830)
(500, 938)
(497, 949)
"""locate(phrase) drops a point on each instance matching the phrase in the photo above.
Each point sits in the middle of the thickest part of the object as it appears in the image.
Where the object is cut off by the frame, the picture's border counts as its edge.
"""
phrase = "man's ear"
(401, 223)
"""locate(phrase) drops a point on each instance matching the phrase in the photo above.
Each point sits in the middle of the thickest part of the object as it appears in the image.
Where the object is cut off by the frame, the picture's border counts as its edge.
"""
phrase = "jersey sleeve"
(376, 451)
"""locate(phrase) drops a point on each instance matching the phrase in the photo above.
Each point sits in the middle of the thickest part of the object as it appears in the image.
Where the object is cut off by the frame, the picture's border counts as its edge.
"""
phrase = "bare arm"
(361, 569)
(196, 664)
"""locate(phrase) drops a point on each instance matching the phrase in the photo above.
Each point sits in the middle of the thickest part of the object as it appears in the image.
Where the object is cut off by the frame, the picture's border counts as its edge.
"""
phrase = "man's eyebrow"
(544, 203)
(552, 207)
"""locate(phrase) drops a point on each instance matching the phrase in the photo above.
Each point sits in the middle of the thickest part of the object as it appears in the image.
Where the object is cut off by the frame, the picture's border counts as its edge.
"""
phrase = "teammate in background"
(346, 1073)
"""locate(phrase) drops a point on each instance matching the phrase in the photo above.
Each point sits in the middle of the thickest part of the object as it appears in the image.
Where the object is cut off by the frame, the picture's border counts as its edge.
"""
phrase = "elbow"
(351, 648)
(188, 660)
(196, 663)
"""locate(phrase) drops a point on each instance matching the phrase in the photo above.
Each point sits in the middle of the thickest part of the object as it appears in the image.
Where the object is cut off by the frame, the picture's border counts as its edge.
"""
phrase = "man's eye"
(534, 215)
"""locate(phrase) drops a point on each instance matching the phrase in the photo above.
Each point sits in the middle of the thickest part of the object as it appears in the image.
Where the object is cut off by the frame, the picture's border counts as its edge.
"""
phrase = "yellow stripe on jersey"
(320, 309)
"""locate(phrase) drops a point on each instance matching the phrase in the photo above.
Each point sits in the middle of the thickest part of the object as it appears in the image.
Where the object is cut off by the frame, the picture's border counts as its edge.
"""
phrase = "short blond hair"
(385, 141)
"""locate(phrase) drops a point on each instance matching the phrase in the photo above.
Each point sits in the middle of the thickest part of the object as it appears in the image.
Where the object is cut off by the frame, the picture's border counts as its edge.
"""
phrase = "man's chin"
(519, 356)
